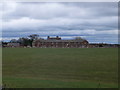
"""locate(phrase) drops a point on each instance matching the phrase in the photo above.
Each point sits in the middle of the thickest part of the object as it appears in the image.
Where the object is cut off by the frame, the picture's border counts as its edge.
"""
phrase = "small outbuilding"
(13, 44)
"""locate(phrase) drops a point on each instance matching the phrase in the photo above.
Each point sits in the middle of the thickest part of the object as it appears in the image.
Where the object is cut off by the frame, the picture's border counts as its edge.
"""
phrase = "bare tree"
(79, 38)
(13, 41)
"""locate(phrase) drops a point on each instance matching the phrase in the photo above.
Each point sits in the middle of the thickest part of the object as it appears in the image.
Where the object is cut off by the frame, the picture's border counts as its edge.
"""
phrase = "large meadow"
(60, 67)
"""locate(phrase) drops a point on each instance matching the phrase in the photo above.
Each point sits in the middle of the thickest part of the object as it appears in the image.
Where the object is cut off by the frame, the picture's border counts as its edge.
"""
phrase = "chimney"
(48, 37)
(57, 37)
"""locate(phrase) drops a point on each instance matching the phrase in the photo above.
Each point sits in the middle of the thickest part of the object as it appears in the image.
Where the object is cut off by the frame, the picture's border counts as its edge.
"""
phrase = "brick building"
(58, 42)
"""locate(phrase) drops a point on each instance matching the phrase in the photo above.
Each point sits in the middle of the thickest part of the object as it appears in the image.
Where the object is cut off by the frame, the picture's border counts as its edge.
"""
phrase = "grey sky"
(97, 22)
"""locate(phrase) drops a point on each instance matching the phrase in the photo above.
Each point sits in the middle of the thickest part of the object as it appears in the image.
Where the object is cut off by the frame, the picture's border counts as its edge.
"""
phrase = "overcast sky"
(96, 22)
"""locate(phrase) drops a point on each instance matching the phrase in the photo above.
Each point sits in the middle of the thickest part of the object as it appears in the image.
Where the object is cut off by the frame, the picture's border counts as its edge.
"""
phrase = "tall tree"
(32, 38)
(13, 41)
(24, 41)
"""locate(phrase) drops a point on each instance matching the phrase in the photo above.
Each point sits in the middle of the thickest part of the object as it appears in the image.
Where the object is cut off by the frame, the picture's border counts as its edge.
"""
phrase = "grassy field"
(60, 67)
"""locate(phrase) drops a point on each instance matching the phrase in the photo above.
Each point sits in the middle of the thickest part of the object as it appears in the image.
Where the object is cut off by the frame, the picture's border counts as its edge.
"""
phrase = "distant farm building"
(58, 42)
(13, 44)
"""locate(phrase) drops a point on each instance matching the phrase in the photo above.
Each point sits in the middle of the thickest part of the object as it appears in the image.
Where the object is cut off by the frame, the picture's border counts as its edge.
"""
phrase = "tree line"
(26, 41)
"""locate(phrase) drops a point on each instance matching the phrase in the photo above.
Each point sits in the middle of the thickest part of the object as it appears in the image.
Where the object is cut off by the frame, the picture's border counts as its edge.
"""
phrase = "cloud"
(53, 10)
(27, 24)
(65, 19)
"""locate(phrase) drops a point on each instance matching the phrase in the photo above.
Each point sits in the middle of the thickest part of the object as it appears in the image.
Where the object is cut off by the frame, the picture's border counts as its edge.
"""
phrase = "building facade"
(13, 44)
(58, 42)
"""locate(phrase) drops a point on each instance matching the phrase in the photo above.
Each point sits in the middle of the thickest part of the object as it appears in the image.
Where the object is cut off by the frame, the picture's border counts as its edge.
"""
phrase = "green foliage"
(33, 36)
(27, 41)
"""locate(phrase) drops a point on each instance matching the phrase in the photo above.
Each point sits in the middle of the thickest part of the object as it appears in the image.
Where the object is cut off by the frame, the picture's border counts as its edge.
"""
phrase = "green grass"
(60, 67)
